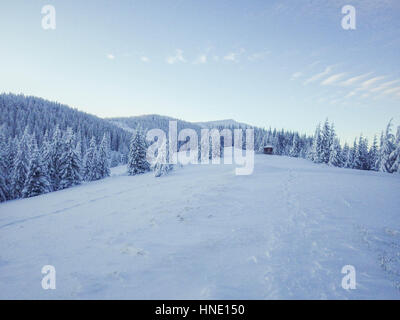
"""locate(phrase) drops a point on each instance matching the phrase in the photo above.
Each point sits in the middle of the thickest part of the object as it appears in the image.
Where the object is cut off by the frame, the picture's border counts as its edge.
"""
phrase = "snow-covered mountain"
(152, 121)
(230, 123)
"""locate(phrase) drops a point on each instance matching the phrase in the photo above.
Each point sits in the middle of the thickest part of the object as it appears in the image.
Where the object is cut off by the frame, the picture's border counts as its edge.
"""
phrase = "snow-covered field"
(203, 233)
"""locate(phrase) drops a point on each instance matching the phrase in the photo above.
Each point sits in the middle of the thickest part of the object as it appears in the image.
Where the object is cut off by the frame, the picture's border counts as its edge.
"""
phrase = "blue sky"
(268, 63)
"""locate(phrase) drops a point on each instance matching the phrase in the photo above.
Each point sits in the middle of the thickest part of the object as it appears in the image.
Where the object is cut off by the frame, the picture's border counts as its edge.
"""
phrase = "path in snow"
(202, 233)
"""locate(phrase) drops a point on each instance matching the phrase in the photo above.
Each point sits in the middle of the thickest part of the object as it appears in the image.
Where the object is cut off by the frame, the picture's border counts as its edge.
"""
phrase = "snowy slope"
(202, 233)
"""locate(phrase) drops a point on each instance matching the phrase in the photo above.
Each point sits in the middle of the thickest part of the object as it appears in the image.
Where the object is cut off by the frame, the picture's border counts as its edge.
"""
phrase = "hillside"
(42, 116)
(202, 233)
(223, 123)
(152, 121)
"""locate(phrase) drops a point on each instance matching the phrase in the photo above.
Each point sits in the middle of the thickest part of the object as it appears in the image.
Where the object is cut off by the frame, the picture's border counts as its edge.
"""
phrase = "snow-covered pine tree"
(37, 181)
(295, 149)
(21, 164)
(335, 157)
(4, 189)
(395, 156)
(373, 155)
(388, 147)
(11, 154)
(346, 155)
(103, 161)
(353, 153)
(70, 164)
(90, 168)
(316, 149)
(361, 160)
(47, 157)
(52, 157)
(380, 151)
(326, 141)
(137, 162)
(161, 166)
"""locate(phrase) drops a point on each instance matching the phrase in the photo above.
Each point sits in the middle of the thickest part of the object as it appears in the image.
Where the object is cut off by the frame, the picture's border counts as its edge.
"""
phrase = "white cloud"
(333, 79)
(369, 82)
(201, 59)
(177, 58)
(354, 80)
(145, 59)
(110, 56)
(319, 75)
(258, 55)
(365, 95)
(233, 56)
(392, 90)
(350, 94)
(296, 75)
(384, 86)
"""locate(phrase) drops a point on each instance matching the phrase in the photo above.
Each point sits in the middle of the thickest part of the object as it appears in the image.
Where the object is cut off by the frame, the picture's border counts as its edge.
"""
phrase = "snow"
(284, 232)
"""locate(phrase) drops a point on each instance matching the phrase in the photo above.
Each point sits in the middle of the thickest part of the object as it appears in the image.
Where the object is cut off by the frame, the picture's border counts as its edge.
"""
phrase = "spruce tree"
(53, 153)
(36, 182)
(326, 141)
(21, 164)
(90, 170)
(361, 160)
(395, 155)
(70, 164)
(388, 147)
(4, 154)
(335, 157)
(137, 162)
(316, 150)
(346, 155)
(161, 166)
(373, 155)
(103, 163)
(295, 149)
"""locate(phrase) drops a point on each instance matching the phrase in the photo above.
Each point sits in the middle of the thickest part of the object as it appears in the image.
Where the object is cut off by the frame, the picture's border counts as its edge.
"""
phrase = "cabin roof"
(268, 146)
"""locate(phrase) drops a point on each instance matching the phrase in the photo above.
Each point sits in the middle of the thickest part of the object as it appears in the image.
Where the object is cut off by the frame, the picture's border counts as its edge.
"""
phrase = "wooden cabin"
(268, 149)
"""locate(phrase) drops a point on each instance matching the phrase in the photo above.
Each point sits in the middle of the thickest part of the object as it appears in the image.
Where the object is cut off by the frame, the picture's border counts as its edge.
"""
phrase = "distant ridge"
(224, 123)
(152, 121)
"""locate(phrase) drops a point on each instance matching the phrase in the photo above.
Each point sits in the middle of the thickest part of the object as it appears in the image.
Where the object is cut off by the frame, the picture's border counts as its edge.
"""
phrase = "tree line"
(28, 169)
(383, 156)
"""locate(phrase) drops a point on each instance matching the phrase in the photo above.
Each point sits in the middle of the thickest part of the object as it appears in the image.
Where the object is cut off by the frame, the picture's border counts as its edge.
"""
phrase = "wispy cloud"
(354, 80)
(230, 57)
(384, 86)
(201, 59)
(333, 79)
(296, 75)
(351, 93)
(110, 56)
(319, 75)
(178, 57)
(258, 55)
(233, 56)
(365, 95)
(370, 82)
(392, 90)
(145, 59)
